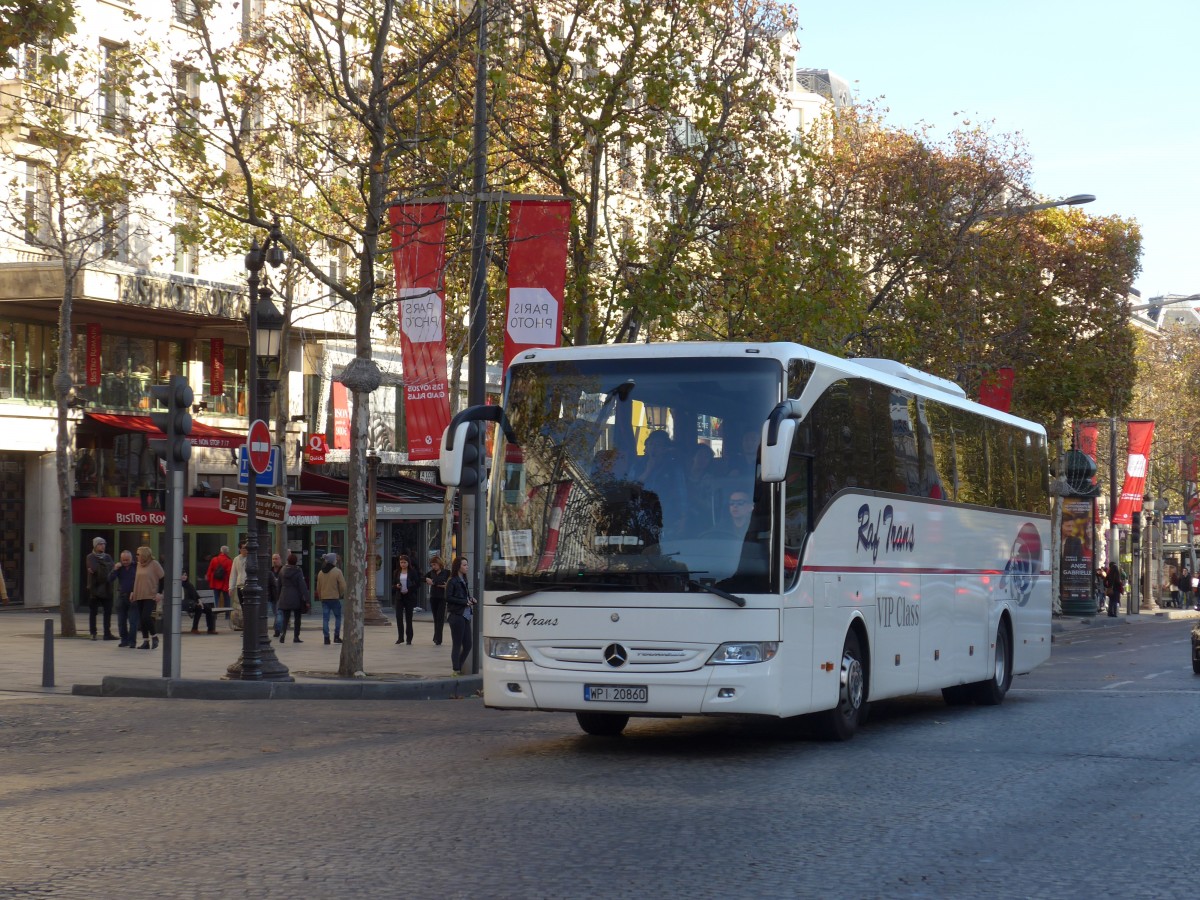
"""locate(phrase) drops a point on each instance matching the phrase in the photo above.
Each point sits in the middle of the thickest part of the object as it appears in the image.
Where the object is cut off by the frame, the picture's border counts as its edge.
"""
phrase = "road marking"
(1156, 674)
(1115, 684)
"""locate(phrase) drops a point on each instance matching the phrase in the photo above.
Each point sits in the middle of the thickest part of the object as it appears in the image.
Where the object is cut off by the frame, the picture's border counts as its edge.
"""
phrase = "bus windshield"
(635, 473)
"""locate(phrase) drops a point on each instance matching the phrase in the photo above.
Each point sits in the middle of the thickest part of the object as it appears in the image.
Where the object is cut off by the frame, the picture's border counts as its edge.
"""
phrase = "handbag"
(307, 607)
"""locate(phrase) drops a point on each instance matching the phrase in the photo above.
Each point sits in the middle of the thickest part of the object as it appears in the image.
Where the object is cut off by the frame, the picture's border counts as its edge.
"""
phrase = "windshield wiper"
(712, 589)
(561, 586)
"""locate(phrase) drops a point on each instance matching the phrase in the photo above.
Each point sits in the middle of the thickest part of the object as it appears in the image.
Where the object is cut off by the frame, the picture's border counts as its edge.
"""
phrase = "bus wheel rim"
(852, 684)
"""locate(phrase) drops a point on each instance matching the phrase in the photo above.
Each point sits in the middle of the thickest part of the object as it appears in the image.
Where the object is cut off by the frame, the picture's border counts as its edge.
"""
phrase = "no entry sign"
(258, 446)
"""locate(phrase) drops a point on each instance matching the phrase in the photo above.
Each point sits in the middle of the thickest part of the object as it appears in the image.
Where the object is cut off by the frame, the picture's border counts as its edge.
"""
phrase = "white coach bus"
(753, 529)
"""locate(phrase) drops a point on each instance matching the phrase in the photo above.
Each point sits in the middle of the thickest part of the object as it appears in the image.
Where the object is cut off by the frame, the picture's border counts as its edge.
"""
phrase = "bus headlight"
(505, 648)
(740, 653)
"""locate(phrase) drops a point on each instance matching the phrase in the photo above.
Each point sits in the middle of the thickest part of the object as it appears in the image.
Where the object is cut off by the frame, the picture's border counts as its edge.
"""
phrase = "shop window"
(230, 399)
(130, 366)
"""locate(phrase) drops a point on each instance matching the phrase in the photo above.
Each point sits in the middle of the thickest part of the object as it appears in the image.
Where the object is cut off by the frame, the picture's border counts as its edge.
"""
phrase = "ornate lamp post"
(258, 661)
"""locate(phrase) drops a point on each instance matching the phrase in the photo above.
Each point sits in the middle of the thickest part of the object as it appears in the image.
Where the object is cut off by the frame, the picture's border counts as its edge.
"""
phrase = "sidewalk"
(84, 666)
(1069, 625)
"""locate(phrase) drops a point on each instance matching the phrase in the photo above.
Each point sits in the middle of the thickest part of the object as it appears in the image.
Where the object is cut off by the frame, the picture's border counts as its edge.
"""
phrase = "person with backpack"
(99, 565)
(220, 567)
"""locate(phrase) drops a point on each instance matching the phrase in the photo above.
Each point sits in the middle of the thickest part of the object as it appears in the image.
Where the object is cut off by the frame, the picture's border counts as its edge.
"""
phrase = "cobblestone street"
(1082, 784)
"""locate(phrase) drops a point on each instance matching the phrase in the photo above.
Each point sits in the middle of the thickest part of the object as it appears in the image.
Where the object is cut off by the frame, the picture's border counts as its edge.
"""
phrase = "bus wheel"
(991, 692)
(841, 722)
(602, 724)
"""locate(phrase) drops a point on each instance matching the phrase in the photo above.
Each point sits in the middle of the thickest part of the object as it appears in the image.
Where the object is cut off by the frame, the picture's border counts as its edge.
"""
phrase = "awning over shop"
(196, 511)
(202, 435)
(394, 489)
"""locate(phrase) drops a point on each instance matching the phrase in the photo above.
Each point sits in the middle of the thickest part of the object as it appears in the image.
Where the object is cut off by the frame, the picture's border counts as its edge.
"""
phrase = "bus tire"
(991, 692)
(841, 722)
(602, 724)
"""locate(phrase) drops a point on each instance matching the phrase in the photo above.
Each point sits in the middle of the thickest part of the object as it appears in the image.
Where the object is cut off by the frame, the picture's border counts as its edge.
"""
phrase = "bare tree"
(316, 115)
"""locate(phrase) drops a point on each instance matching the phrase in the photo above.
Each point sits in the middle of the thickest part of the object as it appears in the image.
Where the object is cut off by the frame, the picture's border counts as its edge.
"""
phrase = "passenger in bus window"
(660, 474)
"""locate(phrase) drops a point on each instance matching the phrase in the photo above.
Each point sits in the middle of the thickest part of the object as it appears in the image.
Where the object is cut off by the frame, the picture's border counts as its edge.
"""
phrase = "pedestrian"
(99, 565)
(237, 576)
(436, 579)
(273, 591)
(331, 588)
(122, 577)
(147, 594)
(459, 602)
(293, 597)
(406, 596)
(1114, 585)
(220, 567)
(206, 607)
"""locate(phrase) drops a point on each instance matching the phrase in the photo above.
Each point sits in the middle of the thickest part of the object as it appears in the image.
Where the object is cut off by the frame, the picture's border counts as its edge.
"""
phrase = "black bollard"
(48, 655)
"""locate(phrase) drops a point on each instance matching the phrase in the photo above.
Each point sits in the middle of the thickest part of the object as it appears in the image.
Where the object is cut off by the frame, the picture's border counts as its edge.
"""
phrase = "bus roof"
(882, 371)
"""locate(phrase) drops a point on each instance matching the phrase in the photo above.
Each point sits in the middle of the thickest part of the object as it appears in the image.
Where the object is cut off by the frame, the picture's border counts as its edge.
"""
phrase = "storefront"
(409, 520)
(312, 529)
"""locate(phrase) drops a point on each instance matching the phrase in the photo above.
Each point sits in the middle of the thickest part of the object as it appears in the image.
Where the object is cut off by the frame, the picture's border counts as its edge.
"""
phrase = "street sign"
(266, 506)
(258, 446)
(1173, 519)
(314, 450)
(267, 478)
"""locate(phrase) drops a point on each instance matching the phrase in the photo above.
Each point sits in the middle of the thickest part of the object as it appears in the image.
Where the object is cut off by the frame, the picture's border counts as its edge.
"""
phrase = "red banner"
(1140, 436)
(537, 274)
(341, 416)
(1187, 466)
(419, 255)
(216, 366)
(1087, 437)
(997, 388)
(93, 354)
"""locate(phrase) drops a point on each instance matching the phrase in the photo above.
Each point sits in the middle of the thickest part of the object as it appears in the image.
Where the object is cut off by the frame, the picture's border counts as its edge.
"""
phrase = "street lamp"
(1006, 212)
(264, 325)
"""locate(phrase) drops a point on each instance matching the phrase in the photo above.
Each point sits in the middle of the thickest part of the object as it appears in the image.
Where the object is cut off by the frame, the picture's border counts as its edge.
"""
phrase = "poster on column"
(1140, 436)
(418, 254)
(537, 274)
(1076, 565)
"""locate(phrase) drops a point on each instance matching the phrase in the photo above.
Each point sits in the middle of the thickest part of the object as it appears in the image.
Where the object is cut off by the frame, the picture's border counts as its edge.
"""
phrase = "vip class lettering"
(897, 612)
(884, 531)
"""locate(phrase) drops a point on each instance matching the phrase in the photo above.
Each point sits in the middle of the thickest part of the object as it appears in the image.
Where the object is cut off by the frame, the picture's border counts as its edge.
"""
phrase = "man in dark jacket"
(128, 620)
(99, 564)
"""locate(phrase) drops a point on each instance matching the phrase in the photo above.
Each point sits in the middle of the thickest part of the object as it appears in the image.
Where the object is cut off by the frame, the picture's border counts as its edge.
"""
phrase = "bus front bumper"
(710, 690)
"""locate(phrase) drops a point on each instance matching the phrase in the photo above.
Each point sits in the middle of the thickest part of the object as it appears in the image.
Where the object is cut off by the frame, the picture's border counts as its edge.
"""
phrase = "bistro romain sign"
(181, 296)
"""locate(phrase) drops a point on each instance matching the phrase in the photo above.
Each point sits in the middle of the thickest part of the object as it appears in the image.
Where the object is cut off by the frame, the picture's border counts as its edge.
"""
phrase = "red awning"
(196, 511)
(202, 435)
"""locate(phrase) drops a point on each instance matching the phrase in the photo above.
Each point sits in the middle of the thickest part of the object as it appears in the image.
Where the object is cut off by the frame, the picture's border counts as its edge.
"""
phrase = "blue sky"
(1105, 94)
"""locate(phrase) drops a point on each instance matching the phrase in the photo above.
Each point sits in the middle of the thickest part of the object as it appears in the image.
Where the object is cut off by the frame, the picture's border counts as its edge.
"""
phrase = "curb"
(194, 689)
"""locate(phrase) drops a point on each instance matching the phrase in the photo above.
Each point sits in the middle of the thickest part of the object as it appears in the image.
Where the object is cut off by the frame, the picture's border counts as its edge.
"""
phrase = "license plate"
(617, 693)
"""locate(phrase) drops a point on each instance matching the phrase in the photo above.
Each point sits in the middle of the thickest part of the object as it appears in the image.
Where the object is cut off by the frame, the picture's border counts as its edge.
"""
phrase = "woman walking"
(436, 579)
(406, 594)
(459, 602)
(293, 597)
(147, 593)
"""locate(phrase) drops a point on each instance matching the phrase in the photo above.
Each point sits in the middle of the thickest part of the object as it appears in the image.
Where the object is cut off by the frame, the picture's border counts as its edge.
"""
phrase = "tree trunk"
(351, 664)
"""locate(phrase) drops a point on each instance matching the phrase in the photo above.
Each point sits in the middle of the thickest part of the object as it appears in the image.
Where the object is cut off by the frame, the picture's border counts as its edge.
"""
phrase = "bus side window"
(797, 512)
